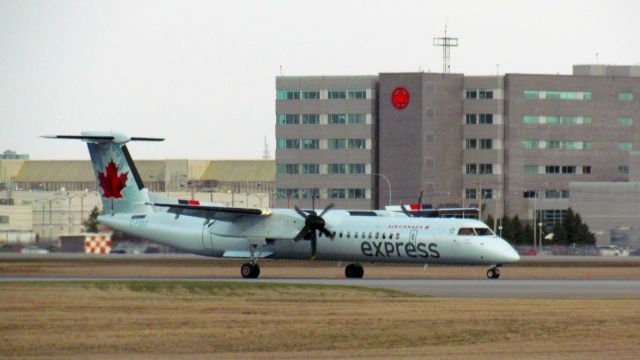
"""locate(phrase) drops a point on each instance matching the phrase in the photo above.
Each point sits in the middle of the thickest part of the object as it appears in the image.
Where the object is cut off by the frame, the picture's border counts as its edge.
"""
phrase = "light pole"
(388, 184)
(540, 235)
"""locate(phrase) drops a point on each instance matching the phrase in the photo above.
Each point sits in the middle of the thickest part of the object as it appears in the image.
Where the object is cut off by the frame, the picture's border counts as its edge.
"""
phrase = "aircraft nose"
(509, 253)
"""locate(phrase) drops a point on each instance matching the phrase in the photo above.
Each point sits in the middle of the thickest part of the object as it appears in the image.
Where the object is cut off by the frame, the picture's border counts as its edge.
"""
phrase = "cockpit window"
(483, 232)
(466, 231)
(475, 232)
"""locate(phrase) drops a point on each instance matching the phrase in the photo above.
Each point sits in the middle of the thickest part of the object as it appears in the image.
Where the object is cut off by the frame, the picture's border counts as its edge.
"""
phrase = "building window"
(287, 169)
(625, 96)
(485, 94)
(4, 219)
(310, 143)
(561, 95)
(554, 120)
(288, 144)
(357, 94)
(470, 143)
(530, 144)
(336, 169)
(336, 193)
(486, 144)
(529, 194)
(310, 169)
(486, 169)
(471, 169)
(553, 144)
(288, 95)
(356, 118)
(485, 119)
(625, 146)
(337, 94)
(552, 194)
(356, 194)
(487, 193)
(337, 118)
(355, 169)
(337, 143)
(287, 193)
(625, 121)
(357, 143)
(310, 193)
(470, 193)
(288, 119)
(471, 119)
(311, 119)
(552, 169)
(622, 169)
(531, 169)
(311, 94)
(471, 94)
(586, 169)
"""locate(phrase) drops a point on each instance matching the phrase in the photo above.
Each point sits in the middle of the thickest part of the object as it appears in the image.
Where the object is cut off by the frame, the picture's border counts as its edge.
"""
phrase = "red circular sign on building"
(400, 97)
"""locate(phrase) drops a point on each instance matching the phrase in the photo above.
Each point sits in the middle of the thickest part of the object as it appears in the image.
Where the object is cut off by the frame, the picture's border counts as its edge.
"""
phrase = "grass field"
(259, 320)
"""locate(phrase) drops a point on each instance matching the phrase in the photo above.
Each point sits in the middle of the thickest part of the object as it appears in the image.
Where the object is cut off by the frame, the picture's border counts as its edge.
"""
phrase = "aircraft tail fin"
(119, 182)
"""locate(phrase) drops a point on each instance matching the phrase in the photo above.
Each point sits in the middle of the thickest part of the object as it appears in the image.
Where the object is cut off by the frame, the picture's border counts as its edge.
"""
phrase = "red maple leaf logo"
(111, 183)
(400, 97)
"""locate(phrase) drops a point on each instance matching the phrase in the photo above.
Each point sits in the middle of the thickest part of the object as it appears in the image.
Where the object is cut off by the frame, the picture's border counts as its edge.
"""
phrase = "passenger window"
(369, 235)
(363, 235)
(341, 234)
(355, 235)
(466, 231)
(348, 235)
(377, 235)
(397, 236)
(384, 236)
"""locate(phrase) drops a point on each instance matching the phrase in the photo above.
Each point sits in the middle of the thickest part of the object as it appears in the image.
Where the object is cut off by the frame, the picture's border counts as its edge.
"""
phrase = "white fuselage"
(386, 237)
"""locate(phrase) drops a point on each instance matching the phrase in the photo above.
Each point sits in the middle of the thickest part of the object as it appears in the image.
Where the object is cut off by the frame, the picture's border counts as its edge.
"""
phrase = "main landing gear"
(250, 270)
(494, 272)
(354, 271)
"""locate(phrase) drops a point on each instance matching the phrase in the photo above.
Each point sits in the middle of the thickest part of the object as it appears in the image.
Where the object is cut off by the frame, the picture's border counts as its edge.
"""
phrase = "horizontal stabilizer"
(102, 137)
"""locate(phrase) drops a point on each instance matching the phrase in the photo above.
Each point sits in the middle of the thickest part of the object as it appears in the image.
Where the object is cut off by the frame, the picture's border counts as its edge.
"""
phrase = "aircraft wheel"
(250, 271)
(354, 271)
(493, 273)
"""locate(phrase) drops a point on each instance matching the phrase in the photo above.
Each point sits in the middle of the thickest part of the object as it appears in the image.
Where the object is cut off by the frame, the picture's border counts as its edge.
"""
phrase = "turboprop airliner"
(351, 236)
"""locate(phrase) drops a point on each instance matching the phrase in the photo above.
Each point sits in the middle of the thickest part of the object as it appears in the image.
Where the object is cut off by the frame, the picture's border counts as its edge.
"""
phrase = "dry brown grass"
(257, 320)
(306, 269)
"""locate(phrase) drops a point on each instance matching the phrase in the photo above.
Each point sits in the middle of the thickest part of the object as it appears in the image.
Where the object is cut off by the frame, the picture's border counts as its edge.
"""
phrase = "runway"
(449, 288)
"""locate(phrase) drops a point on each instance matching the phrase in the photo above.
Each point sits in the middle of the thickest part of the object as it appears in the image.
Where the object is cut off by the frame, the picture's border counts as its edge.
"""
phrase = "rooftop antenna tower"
(266, 154)
(446, 43)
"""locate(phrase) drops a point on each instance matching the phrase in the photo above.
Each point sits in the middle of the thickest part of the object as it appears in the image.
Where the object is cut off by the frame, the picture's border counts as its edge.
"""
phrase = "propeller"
(409, 213)
(405, 211)
(312, 223)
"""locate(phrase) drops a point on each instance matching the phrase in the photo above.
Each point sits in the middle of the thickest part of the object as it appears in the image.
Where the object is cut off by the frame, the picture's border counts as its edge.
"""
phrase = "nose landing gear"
(494, 272)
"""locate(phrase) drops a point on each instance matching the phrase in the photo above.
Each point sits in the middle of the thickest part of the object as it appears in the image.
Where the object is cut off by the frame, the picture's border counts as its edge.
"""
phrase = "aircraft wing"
(213, 212)
(244, 222)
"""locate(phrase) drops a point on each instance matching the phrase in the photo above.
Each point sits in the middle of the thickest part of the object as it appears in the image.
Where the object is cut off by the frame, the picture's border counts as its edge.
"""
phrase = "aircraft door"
(207, 237)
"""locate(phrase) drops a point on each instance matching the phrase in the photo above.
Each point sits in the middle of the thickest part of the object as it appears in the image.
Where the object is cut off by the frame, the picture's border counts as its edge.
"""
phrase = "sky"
(202, 73)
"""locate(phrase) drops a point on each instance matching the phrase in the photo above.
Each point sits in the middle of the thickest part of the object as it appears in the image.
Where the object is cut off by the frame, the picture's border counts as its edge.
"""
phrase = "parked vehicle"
(611, 250)
(32, 249)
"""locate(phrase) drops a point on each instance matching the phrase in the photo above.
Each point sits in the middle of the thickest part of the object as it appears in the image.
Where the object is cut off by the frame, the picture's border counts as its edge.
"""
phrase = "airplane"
(210, 229)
